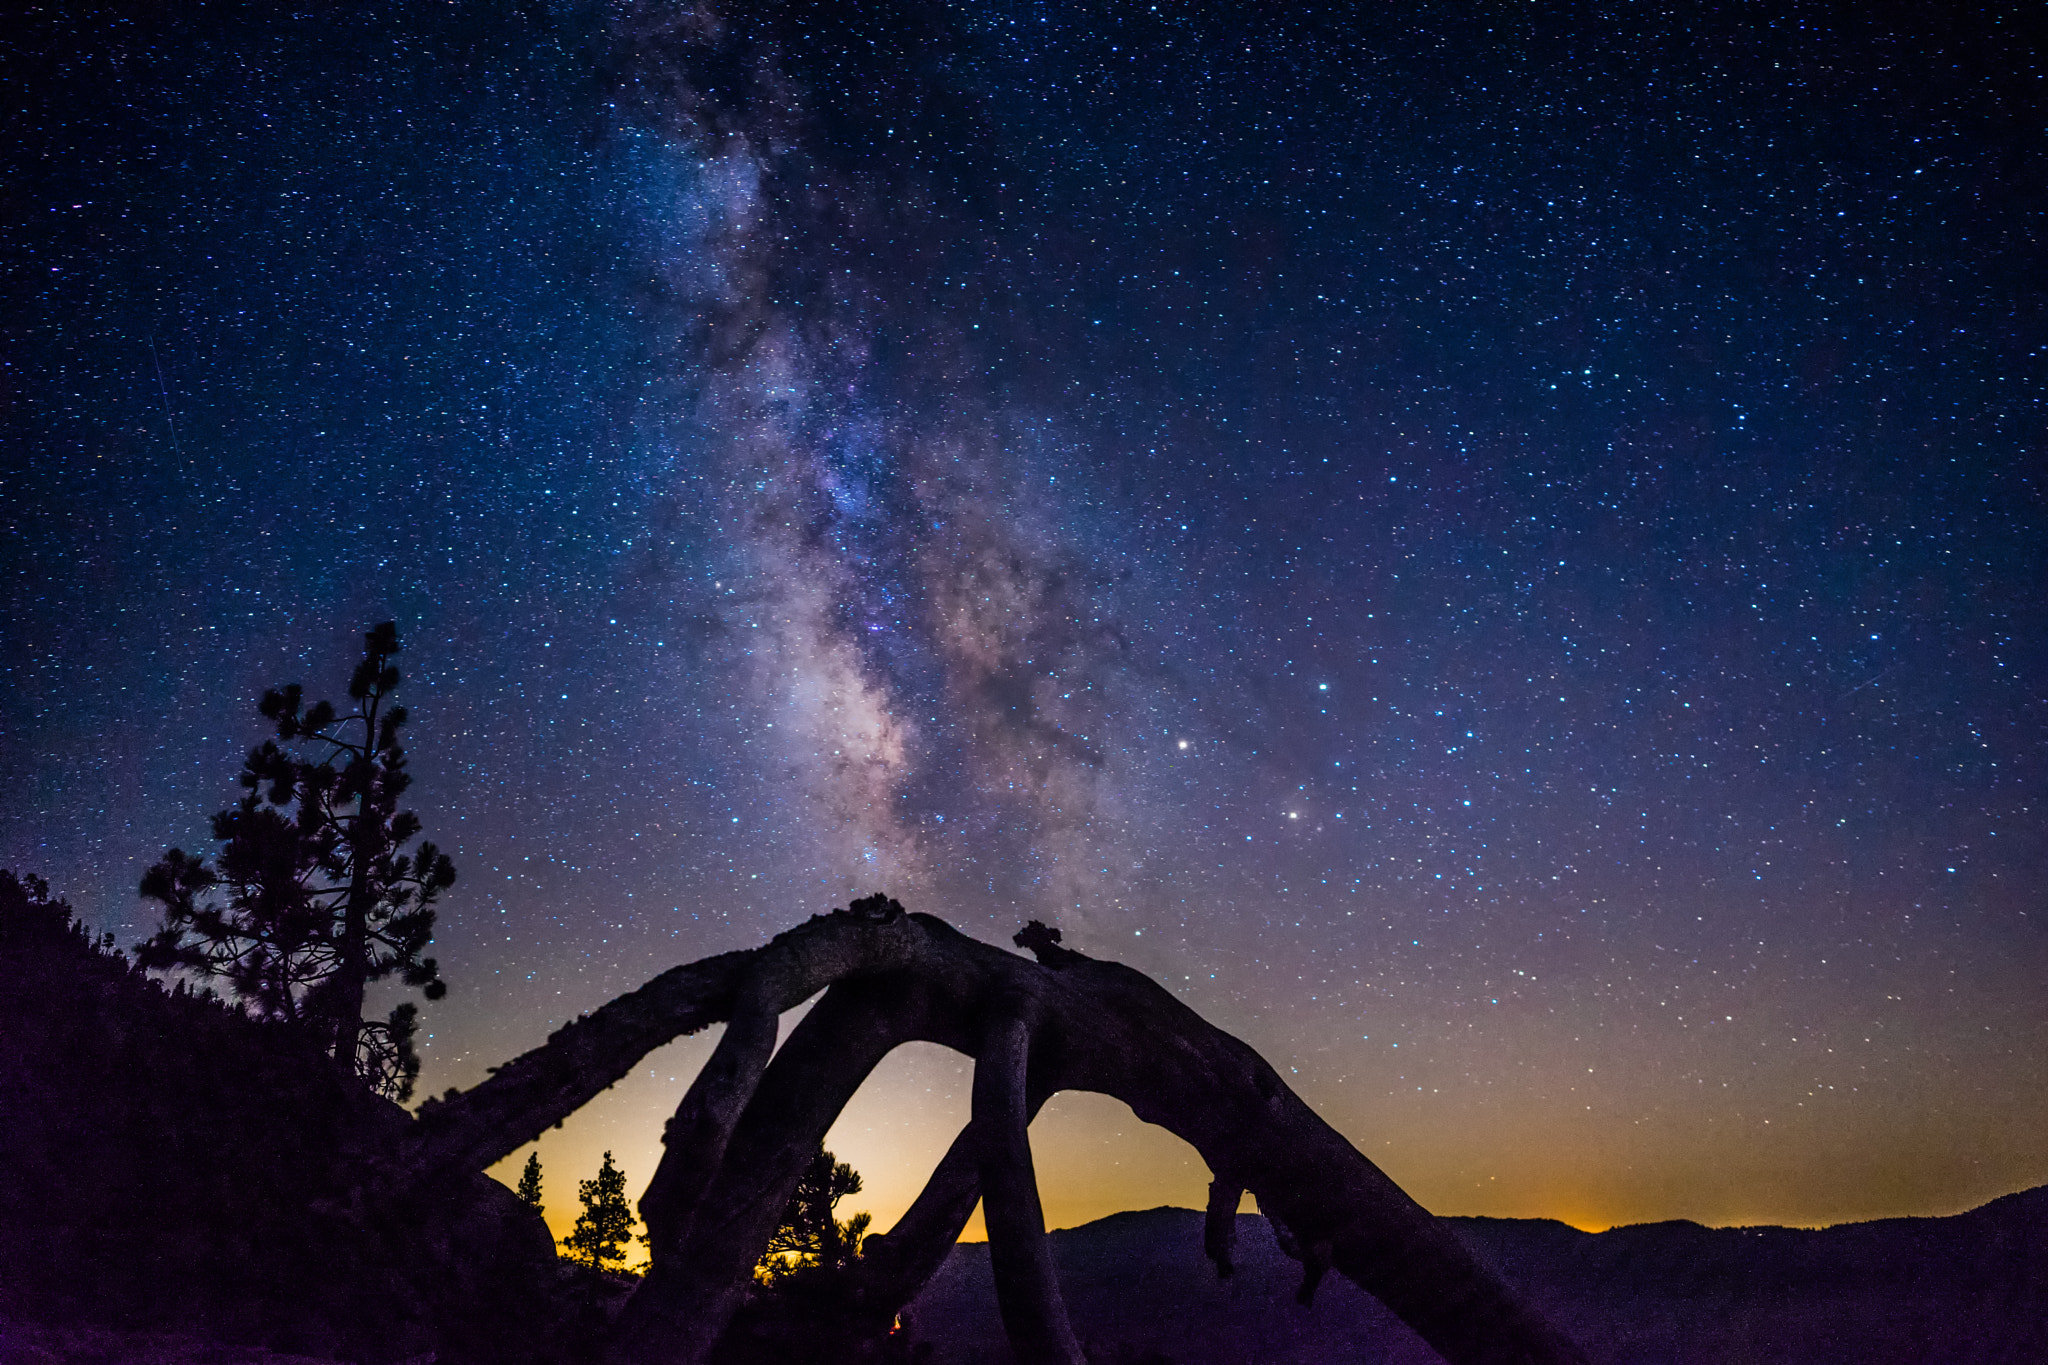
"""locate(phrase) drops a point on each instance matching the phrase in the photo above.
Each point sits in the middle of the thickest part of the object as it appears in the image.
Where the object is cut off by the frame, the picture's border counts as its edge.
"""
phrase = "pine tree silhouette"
(606, 1223)
(810, 1236)
(313, 897)
(529, 1182)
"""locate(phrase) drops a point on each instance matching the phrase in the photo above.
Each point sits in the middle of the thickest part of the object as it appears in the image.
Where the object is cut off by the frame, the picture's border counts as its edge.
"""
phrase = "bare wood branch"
(582, 1059)
(692, 1290)
(1219, 1225)
(694, 1142)
(533, 1092)
(895, 1265)
(1027, 1286)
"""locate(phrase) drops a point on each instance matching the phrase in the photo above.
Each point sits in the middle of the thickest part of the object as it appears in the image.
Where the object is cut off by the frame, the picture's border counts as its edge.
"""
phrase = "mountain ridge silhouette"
(1960, 1289)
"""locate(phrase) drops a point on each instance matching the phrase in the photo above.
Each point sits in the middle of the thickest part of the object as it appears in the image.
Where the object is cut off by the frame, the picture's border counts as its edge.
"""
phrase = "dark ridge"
(1972, 1287)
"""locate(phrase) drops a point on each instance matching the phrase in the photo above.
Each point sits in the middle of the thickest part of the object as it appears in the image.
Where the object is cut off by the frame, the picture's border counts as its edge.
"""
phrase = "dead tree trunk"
(697, 1283)
(1027, 1286)
(745, 1131)
(895, 1265)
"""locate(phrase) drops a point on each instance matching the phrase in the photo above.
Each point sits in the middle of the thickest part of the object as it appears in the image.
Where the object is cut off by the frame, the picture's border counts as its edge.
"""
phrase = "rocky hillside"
(169, 1166)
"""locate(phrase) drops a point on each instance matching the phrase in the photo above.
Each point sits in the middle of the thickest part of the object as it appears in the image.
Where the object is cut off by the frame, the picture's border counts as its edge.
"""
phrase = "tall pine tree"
(313, 897)
(606, 1224)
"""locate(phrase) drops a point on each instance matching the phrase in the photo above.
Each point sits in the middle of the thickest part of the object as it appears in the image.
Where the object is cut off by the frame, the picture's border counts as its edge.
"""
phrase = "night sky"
(1496, 551)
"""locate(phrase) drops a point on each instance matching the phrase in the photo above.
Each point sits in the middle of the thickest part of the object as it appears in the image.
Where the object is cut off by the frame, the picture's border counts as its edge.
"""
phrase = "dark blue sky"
(1510, 532)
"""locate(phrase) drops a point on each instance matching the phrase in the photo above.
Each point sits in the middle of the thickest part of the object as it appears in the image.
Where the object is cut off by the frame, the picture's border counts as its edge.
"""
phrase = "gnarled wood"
(1090, 1025)
(895, 1265)
(1219, 1226)
(691, 1292)
(694, 1141)
(1027, 1286)
(535, 1091)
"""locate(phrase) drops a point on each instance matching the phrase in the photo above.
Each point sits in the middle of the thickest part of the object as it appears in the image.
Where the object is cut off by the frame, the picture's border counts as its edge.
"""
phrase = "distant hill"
(1966, 1290)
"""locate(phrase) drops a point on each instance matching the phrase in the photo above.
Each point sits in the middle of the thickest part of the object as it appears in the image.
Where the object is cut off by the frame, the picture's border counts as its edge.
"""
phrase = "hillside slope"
(168, 1165)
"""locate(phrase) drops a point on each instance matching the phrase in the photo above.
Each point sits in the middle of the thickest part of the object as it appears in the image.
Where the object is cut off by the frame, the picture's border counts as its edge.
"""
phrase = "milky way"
(1494, 554)
(908, 611)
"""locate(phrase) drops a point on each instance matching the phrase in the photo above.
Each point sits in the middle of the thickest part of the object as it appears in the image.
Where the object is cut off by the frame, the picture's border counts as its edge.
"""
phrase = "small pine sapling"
(529, 1183)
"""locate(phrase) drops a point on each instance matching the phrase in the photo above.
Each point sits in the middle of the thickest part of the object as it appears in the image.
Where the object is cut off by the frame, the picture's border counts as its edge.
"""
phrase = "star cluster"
(1494, 551)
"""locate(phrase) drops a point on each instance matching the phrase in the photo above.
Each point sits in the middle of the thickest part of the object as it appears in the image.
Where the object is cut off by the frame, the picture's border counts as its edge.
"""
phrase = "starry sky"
(1495, 550)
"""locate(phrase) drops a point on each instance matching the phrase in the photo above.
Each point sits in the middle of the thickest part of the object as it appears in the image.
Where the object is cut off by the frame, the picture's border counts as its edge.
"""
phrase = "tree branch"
(694, 1141)
(1027, 1287)
(692, 1290)
(1219, 1225)
(540, 1088)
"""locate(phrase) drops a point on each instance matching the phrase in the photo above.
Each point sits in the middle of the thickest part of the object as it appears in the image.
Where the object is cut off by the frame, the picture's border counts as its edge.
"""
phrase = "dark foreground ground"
(1967, 1290)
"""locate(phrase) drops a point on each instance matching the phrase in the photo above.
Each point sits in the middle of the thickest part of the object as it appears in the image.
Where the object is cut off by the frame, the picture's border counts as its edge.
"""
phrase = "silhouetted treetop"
(313, 896)
(810, 1235)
